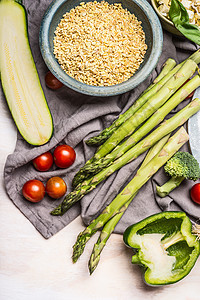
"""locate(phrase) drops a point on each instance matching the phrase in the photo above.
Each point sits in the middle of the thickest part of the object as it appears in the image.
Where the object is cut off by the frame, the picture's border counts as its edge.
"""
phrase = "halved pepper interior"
(164, 245)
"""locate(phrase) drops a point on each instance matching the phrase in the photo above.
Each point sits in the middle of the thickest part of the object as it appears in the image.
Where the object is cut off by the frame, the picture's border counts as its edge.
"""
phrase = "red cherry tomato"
(192, 93)
(56, 187)
(64, 156)
(43, 162)
(52, 82)
(33, 190)
(195, 193)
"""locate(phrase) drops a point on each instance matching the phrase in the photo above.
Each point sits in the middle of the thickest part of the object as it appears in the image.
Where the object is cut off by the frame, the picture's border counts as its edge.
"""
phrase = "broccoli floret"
(181, 166)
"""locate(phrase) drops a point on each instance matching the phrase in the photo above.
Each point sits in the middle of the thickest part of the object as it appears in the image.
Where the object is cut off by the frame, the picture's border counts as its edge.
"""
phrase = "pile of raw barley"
(99, 44)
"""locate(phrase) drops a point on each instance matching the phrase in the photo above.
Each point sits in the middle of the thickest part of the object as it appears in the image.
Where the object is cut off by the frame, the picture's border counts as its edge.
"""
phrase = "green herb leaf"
(179, 16)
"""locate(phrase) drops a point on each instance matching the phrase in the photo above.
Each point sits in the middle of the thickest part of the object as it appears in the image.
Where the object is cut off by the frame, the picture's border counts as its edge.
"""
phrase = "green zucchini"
(19, 77)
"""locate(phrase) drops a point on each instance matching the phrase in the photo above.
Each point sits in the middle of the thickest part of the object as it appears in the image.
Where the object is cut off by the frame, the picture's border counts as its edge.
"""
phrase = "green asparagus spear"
(165, 128)
(107, 132)
(142, 114)
(153, 151)
(167, 67)
(141, 177)
(109, 227)
(80, 176)
(158, 99)
(154, 120)
(195, 57)
(164, 76)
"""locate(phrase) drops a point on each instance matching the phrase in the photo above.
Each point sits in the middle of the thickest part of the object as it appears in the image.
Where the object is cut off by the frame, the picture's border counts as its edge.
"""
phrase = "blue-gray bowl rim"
(102, 91)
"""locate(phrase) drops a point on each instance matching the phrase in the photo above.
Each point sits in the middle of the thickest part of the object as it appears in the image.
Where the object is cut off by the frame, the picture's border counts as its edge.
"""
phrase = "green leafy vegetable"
(181, 166)
(179, 16)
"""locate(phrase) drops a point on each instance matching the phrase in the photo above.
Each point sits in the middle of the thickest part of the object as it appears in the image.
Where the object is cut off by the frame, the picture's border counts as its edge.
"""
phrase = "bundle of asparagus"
(144, 107)
(109, 227)
(107, 132)
(113, 212)
(165, 128)
(133, 139)
(157, 84)
(147, 115)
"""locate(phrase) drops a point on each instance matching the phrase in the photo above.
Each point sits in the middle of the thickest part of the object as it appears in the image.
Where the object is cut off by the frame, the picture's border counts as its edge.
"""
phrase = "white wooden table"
(34, 268)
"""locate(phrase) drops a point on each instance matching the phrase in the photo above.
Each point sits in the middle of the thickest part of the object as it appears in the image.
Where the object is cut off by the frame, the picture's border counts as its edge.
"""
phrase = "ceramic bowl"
(166, 23)
(154, 40)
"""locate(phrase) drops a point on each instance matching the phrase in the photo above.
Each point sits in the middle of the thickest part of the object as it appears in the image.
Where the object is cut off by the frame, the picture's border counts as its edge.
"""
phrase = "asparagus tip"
(77, 251)
(56, 212)
(93, 262)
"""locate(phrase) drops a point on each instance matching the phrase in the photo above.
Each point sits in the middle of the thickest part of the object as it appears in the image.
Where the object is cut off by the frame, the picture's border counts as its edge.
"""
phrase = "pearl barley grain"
(99, 44)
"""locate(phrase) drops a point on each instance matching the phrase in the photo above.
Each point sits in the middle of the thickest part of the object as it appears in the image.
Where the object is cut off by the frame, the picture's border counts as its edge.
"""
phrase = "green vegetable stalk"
(181, 166)
(164, 76)
(165, 128)
(107, 132)
(141, 177)
(158, 99)
(167, 67)
(164, 244)
(142, 114)
(154, 120)
(109, 227)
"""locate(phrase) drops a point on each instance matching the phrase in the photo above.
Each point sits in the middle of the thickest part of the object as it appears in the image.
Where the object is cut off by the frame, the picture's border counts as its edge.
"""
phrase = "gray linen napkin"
(76, 117)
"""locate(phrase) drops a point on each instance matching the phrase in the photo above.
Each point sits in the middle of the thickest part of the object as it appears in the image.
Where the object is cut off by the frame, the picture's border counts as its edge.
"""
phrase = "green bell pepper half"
(164, 245)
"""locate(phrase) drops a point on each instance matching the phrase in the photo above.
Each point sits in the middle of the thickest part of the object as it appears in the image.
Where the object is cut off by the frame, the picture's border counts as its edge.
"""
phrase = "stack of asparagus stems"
(133, 133)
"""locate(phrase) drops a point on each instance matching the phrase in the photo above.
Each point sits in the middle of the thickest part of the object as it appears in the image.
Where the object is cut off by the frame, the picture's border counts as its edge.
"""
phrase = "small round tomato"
(195, 193)
(33, 190)
(192, 93)
(64, 156)
(43, 162)
(56, 187)
(52, 82)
